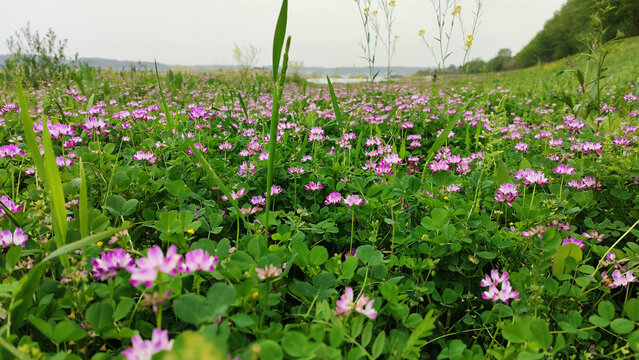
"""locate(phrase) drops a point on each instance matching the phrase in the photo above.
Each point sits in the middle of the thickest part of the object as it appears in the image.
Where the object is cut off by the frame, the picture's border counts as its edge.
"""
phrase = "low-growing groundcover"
(412, 223)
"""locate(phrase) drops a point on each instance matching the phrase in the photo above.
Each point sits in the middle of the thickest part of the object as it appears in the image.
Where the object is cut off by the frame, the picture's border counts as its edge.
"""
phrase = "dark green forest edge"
(566, 34)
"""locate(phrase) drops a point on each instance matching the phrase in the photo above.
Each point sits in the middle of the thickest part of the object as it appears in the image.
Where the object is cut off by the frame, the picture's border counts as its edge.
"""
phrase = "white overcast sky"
(203, 32)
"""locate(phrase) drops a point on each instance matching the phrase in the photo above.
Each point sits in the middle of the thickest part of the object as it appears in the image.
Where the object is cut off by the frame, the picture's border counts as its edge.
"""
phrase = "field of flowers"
(405, 223)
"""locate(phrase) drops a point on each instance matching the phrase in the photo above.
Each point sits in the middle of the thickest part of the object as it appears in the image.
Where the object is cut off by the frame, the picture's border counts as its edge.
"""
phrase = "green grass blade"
(48, 171)
(90, 102)
(10, 215)
(29, 134)
(239, 96)
(338, 112)
(278, 39)
(216, 178)
(23, 294)
(54, 183)
(81, 243)
(9, 347)
(172, 125)
(84, 203)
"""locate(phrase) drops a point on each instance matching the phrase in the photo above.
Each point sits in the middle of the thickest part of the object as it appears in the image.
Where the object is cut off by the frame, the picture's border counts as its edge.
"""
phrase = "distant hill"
(562, 34)
(307, 71)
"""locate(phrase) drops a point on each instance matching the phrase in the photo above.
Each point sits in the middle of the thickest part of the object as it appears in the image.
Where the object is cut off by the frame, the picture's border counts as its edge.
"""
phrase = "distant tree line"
(563, 33)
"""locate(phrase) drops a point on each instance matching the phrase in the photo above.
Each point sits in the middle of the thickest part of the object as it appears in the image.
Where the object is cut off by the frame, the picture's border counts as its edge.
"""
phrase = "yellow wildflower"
(457, 10)
(190, 231)
(255, 295)
(421, 32)
(392, 3)
(100, 243)
(365, 9)
(445, 197)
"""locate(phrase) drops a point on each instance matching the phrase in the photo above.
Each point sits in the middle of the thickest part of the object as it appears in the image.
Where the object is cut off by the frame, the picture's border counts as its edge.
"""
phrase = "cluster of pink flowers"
(296, 170)
(439, 166)
(11, 150)
(146, 269)
(17, 237)
(269, 271)
(144, 156)
(574, 240)
(316, 134)
(363, 305)
(246, 169)
(521, 146)
(333, 198)
(493, 293)
(145, 349)
(531, 177)
(507, 192)
(9, 204)
(198, 146)
(352, 200)
(587, 147)
(538, 231)
(563, 169)
(106, 266)
(618, 278)
(61, 161)
(275, 190)
(314, 186)
(586, 182)
(94, 124)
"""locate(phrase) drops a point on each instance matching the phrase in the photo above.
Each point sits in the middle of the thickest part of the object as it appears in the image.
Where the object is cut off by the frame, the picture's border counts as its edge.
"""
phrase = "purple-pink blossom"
(314, 186)
(507, 192)
(351, 200)
(494, 293)
(146, 269)
(439, 166)
(145, 349)
(198, 259)
(106, 266)
(563, 169)
(531, 177)
(17, 237)
(333, 198)
(144, 155)
(11, 150)
(363, 305)
(9, 204)
(269, 271)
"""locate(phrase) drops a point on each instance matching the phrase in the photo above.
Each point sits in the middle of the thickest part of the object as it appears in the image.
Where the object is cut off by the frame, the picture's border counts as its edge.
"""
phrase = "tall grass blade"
(54, 182)
(173, 124)
(22, 296)
(48, 171)
(239, 96)
(29, 134)
(10, 348)
(12, 217)
(84, 203)
(82, 242)
(278, 39)
(338, 112)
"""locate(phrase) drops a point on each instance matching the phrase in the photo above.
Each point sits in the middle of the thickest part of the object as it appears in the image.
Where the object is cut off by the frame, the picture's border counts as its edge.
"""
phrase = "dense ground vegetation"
(447, 222)
(235, 216)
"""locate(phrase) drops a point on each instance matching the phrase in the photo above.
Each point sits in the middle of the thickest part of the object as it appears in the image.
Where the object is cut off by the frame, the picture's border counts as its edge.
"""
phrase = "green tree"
(37, 58)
